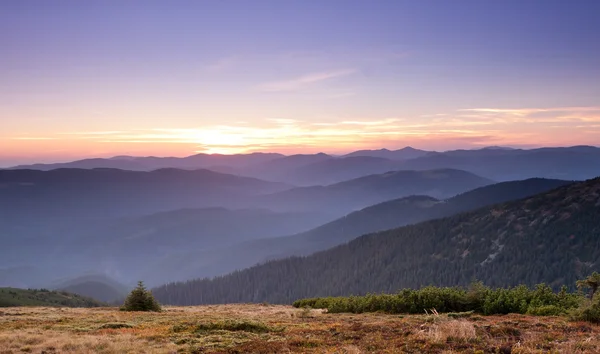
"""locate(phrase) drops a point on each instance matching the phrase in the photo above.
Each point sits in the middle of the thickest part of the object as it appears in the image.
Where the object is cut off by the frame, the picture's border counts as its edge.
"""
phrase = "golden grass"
(283, 329)
(461, 330)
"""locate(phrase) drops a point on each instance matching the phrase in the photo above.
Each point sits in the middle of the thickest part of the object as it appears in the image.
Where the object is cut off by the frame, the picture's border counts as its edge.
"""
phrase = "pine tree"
(140, 299)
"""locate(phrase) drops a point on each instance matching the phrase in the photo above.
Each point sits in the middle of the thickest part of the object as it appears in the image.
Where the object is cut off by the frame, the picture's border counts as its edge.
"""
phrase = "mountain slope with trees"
(379, 217)
(552, 237)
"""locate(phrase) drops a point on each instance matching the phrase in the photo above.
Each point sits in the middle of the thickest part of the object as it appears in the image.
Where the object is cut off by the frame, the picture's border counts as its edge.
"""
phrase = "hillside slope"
(553, 237)
(10, 297)
(97, 286)
(111, 192)
(383, 216)
(344, 197)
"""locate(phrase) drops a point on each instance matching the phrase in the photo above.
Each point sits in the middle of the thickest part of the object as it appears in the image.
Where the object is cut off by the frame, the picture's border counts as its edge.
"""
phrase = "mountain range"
(494, 162)
(96, 231)
(379, 217)
(552, 237)
(65, 222)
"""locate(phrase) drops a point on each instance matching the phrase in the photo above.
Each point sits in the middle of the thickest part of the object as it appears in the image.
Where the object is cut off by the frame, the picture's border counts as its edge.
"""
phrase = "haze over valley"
(64, 221)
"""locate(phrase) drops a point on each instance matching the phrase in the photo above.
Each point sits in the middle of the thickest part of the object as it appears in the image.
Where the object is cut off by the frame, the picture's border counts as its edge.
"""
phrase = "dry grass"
(283, 329)
(452, 330)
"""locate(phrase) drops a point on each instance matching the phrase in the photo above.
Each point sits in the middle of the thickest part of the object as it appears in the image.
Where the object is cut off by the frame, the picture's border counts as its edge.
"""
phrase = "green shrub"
(245, 326)
(140, 299)
(546, 310)
(541, 300)
(589, 311)
(116, 326)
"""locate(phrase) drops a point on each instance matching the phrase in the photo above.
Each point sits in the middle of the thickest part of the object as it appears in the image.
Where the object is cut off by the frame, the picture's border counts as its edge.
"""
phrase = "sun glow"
(460, 129)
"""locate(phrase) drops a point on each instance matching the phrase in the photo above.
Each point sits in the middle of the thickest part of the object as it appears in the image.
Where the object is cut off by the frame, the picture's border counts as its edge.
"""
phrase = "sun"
(220, 150)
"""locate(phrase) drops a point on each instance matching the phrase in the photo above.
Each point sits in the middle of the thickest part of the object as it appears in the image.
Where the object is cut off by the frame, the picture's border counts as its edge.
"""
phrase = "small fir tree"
(140, 299)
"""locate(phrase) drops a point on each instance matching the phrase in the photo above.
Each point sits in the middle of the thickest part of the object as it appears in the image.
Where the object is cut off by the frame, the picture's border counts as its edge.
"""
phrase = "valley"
(299, 176)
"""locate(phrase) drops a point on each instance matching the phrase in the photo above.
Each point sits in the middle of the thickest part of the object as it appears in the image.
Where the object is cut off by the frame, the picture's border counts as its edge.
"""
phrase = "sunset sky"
(174, 78)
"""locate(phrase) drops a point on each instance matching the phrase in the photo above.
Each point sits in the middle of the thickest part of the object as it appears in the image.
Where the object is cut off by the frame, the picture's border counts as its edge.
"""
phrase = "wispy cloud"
(33, 138)
(459, 129)
(303, 81)
(567, 115)
(92, 133)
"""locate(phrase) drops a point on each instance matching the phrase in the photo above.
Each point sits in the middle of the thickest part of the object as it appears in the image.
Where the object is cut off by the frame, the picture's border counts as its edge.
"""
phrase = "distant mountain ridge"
(343, 197)
(552, 237)
(494, 162)
(151, 163)
(400, 154)
(570, 163)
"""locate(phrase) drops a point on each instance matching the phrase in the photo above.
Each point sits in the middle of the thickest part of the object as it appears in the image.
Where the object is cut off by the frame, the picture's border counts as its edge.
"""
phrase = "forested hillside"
(553, 237)
(383, 216)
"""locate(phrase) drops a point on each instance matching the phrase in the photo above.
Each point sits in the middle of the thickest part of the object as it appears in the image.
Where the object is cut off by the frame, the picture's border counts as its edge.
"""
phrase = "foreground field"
(283, 329)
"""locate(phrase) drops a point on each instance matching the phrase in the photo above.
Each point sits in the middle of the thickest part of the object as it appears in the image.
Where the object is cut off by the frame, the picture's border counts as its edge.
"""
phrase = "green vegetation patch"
(234, 326)
(13, 297)
(459, 302)
(116, 325)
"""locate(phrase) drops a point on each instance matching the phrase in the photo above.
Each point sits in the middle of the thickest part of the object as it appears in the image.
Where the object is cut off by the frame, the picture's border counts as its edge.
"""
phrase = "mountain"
(95, 286)
(344, 197)
(284, 168)
(401, 154)
(10, 297)
(109, 192)
(383, 216)
(340, 169)
(493, 162)
(552, 237)
(122, 164)
(570, 163)
(150, 163)
(496, 147)
(48, 218)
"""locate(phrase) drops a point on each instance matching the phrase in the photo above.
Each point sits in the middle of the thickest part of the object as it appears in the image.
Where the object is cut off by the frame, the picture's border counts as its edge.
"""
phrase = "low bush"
(245, 326)
(116, 325)
(589, 311)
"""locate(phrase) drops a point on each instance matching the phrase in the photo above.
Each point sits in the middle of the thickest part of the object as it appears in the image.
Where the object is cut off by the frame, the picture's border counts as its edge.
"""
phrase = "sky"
(174, 78)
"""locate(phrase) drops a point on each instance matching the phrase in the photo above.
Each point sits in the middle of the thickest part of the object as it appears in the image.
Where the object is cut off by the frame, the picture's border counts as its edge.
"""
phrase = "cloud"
(34, 138)
(535, 115)
(303, 81)
(460, 129)
(106, 132)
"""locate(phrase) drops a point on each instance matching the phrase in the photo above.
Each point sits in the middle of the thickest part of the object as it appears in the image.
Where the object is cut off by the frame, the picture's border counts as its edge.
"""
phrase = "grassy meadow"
(283, 329)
